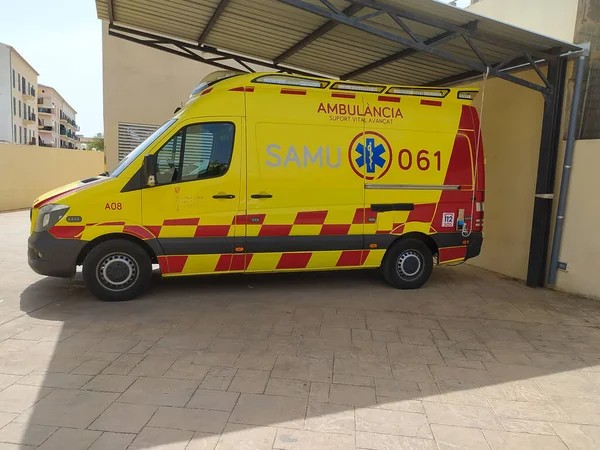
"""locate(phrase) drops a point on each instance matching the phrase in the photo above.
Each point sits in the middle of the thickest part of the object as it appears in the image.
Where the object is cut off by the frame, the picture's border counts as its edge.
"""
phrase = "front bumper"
(53, 257)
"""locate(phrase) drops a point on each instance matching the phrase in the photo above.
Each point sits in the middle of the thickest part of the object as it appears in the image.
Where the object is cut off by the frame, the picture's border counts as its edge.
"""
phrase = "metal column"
(546, 175)
(566, 174)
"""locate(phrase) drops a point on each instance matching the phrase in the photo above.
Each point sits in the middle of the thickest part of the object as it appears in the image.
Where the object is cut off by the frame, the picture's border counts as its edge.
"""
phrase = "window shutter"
(131, 135)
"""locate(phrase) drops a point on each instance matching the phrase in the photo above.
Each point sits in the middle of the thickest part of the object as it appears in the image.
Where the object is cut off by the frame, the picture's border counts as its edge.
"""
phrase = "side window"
(168, 159)
(208, 149)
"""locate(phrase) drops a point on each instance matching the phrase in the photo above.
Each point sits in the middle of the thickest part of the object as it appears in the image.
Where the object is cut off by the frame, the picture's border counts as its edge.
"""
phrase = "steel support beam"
(212, 21)
(323, 29)
(546, 175)
(111, 11)
(192, 51)
(420, 46)
(437, 40)
(520, 63)
(447, 26)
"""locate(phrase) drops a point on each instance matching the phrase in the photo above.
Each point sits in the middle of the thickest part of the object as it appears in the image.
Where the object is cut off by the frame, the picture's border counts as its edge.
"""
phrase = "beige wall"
(142, 85)
(581, 245)
(28, 171)
(511, 124)
(556, 18)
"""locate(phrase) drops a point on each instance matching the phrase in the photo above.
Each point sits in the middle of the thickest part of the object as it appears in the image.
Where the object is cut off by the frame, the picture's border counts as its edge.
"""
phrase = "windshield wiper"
(104, 174)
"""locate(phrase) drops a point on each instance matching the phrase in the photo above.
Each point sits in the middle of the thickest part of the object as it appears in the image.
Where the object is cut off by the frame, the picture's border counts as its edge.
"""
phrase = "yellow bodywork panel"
(270, 172)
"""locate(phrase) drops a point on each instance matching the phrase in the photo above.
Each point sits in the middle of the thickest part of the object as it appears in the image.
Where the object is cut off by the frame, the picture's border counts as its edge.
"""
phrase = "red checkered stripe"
(174, 264)
(76, 231)
(361, 216)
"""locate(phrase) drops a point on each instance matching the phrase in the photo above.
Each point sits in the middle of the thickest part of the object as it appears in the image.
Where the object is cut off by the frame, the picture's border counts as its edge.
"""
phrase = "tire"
(117, 270)
(408, 264)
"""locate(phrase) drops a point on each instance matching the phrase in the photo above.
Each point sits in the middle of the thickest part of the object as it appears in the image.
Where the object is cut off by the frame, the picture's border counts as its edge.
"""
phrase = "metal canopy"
(406, 42)
(409, 42)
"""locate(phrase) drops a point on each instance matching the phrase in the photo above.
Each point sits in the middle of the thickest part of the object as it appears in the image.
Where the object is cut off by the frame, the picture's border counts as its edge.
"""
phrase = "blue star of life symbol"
(372, 154)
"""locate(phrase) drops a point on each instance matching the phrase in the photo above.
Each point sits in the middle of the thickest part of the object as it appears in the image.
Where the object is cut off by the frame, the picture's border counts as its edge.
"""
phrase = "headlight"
(48, 216)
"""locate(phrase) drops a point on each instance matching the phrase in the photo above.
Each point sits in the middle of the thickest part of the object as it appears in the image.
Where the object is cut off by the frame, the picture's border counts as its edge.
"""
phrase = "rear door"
(198, 188)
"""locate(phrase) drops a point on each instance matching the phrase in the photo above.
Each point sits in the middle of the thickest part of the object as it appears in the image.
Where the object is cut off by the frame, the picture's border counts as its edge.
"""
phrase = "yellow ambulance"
(269, 172)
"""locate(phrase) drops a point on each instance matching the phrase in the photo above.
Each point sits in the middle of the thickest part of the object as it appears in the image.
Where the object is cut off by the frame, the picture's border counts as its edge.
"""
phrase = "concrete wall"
(556, 18)
(28, 171)
(581, 245)
(142, 85)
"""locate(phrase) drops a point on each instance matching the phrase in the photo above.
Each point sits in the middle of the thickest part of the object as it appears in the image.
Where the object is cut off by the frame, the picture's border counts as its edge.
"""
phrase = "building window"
(14, 84)
(14, 106)
(15, 134)
(19, 108)
(28, 87)
(28, 111)
(20, 138)
(23, 85)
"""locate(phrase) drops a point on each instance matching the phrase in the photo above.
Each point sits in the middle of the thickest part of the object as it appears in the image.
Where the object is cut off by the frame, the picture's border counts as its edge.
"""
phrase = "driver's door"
(192, 207)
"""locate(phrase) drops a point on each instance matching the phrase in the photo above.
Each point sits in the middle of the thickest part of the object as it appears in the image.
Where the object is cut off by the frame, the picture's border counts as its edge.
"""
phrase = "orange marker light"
(372, 245)
(239, 249)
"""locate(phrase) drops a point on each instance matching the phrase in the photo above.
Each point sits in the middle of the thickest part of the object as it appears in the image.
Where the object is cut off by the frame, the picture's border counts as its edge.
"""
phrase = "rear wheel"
(117, 270)
(408, 264)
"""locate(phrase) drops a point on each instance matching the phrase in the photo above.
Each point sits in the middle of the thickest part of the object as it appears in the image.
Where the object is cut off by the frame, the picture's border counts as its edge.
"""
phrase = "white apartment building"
(56, 120)
(18, 93)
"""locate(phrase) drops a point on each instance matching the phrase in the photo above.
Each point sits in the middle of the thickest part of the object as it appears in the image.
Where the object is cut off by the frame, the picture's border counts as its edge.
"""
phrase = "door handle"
(261, 196)
(225, 196)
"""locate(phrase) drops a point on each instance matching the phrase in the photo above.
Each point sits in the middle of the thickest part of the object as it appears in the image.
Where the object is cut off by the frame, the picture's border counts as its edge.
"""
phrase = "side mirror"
(149, 170)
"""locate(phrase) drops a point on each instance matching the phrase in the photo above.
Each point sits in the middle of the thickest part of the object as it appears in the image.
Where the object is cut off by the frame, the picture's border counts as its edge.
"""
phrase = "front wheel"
(408, 264)
(117, 270)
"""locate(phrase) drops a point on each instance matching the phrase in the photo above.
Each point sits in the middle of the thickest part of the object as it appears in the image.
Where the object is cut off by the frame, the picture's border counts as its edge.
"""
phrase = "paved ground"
(314, 361)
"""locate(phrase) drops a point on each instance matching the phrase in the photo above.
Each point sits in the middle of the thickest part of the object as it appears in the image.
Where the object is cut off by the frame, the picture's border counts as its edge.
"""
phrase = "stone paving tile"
(124, 418)
(113, 441)
(399, 423)
(462, 415)
(269, 410)
(345, 394)
(19, 398)
(578, 437)
(377, 441)
(55, 380)
(288, 388)
(109, 383)
(161, 438)
(249, 381)
(453, 437)
(70, 438)
(215, 400)
(300, 440)
(330, 418)
(190, 419)
(527, 426)
(301, 368)
(504, 440)
(26, 434)
(68, 408)
(159, 391)
(241, 437)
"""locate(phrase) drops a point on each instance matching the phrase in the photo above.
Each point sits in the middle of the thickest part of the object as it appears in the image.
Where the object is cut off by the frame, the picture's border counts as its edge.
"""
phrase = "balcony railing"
(43, 127)
(44, 110)
(30, 117)
(42, 143)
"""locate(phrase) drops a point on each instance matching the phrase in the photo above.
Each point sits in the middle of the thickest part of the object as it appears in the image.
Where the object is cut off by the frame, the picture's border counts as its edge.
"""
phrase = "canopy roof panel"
(415, 42)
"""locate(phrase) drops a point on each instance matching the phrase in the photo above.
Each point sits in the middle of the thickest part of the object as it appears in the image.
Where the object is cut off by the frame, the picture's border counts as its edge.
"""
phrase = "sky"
(62, 40)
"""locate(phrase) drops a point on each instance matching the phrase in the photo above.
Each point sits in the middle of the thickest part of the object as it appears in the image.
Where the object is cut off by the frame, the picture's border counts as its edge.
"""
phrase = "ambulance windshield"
(140, 149)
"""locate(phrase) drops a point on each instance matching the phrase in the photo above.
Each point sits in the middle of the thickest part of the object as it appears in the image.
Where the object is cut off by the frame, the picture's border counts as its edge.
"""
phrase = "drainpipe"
(567, 164)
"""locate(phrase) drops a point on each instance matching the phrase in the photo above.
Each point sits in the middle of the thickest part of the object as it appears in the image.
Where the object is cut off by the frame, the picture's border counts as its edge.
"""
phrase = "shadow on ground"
(295, 361)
